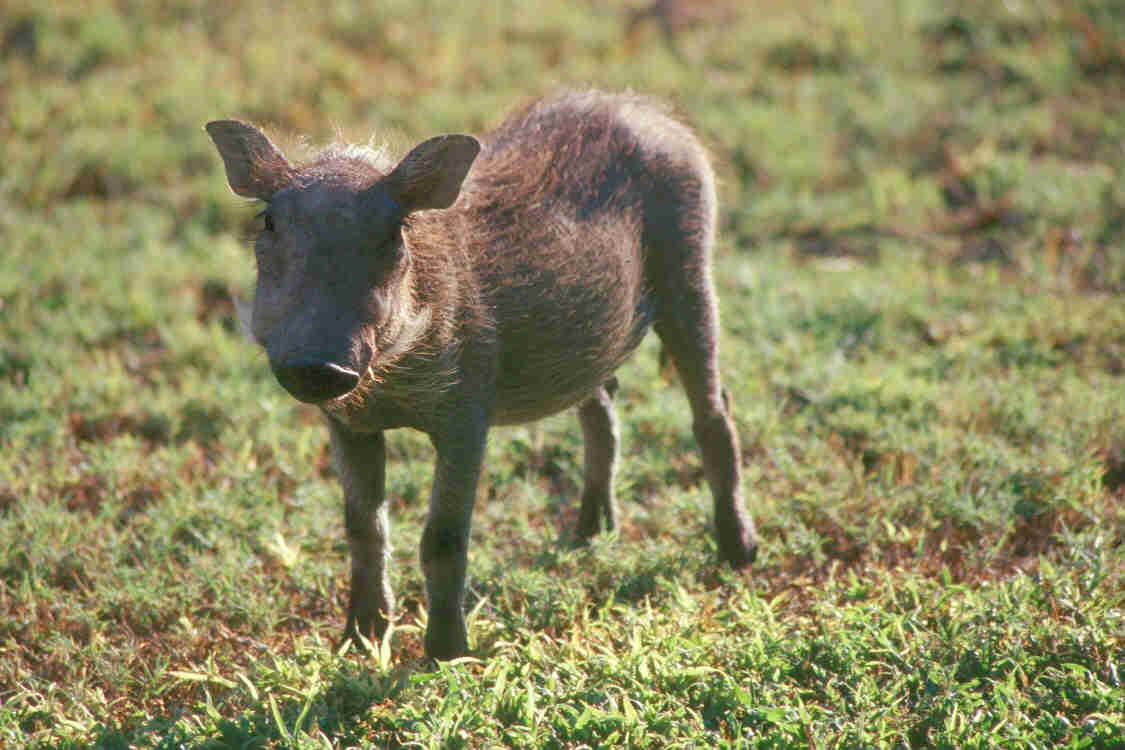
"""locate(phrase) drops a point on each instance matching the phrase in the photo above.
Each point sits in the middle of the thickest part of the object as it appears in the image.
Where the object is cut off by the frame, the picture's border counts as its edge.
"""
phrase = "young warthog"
(487, 282)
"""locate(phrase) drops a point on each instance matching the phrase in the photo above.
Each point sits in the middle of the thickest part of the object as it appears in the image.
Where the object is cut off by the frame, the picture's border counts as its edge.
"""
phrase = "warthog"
(487, 282)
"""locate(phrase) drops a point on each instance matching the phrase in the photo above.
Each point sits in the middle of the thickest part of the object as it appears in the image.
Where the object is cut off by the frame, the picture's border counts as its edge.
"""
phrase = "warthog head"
(333, 289)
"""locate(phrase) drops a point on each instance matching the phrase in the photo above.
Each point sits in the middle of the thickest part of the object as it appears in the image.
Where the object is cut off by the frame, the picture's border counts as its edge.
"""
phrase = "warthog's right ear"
(255, 168)
(430, 176)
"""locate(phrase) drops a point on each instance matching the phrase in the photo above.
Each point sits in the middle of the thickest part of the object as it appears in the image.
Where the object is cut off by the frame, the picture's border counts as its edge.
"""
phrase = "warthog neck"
(439, 332)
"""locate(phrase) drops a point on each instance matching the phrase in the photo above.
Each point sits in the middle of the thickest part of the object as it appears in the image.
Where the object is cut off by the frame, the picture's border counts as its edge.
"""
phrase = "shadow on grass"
(334, 713)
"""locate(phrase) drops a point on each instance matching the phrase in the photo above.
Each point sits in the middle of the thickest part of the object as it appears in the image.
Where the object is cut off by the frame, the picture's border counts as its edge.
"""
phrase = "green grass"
(922, 274)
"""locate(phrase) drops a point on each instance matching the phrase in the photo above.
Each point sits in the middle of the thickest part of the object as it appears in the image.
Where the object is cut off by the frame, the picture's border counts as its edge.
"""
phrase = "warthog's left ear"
(430, 176)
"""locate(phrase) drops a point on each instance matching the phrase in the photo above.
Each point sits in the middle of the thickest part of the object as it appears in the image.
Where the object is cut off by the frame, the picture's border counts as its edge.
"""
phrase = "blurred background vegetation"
(922, 269)
(932, 119)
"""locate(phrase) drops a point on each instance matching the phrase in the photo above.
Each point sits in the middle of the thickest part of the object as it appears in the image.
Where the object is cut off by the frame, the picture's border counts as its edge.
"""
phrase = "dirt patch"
(84, 495)
(215, 303)
(8, 499)
(152, 428)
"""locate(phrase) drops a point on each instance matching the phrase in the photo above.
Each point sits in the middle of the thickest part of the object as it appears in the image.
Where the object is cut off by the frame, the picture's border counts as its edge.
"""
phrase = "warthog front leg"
(361, 464)
(445, 541)
(600, 438)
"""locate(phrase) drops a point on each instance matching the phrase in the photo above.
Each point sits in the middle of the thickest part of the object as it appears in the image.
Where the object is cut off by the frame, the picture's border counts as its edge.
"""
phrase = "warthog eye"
(267, 221)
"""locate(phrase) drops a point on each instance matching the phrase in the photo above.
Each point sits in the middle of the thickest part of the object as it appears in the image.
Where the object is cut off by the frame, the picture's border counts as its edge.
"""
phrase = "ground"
(922, 275)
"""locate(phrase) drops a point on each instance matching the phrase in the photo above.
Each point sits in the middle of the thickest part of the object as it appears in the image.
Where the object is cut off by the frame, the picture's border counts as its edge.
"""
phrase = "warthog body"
(481, 283)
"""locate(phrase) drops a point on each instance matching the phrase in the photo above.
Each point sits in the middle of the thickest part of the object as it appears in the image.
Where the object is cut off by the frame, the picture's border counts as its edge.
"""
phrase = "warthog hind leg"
(600, 436)
(691, 340)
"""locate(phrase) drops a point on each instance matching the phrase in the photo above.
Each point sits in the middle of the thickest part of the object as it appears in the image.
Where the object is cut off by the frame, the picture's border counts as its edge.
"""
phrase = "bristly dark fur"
(556, 203)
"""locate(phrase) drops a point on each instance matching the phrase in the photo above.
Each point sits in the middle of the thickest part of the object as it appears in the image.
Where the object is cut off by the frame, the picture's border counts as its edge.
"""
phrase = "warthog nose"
(313, 381)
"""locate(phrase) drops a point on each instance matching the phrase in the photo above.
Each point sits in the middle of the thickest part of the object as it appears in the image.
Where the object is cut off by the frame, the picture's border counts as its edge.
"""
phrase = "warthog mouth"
(377, 353)
(315, 380)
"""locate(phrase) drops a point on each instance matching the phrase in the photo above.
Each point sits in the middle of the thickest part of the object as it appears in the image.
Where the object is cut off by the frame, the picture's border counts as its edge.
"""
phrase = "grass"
(922, 270)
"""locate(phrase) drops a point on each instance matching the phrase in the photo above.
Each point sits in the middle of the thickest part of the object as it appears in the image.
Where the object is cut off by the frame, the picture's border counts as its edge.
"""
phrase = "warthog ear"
(255, 168)
(430, 176)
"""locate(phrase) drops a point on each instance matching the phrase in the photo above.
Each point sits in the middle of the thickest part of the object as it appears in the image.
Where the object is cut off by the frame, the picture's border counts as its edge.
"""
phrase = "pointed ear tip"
(457, 140)
(223, 127)
(468, 145)
(220, 128)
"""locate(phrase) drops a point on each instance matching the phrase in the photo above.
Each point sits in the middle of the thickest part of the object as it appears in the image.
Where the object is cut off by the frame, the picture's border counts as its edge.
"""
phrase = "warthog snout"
(314, 381)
